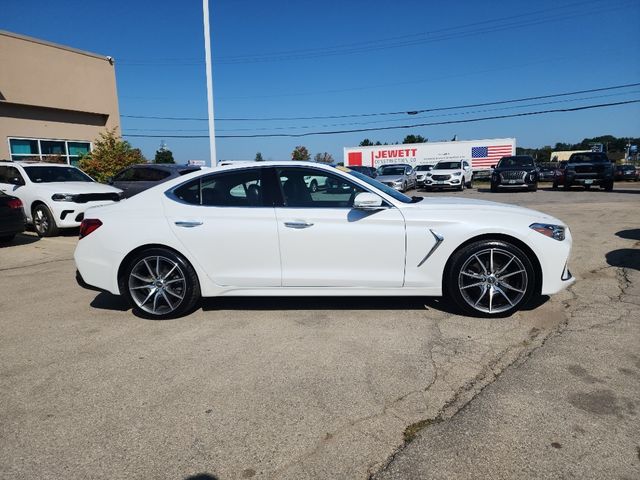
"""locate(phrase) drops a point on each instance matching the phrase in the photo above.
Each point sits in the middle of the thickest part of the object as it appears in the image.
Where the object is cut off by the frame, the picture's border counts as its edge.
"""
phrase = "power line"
(397, 127)
(403, 112)
(399, 41)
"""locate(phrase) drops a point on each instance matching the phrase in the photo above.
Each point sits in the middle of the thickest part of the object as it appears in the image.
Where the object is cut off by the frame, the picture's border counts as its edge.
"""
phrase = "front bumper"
(70, 214)
(451, 183)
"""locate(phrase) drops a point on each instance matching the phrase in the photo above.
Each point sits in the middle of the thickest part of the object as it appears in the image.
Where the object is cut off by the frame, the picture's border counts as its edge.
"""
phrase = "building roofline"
(54, 45)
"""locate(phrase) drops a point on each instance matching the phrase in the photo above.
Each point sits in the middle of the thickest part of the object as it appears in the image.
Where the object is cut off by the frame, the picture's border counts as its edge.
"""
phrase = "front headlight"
(548, 230)
(457, 174)
(62, 197)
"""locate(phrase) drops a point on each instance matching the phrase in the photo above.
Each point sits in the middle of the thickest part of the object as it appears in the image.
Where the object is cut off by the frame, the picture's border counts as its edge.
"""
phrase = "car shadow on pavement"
(208, 476)
(108, 301)
(21, 239)
(314, 303)
(624, 258)
(631, 234)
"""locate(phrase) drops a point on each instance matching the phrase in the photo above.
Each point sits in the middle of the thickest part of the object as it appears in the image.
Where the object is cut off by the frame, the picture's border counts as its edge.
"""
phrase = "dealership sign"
(481, 153)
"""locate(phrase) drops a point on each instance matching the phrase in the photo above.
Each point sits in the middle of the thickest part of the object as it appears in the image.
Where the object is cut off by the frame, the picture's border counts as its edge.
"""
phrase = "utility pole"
(213, 162)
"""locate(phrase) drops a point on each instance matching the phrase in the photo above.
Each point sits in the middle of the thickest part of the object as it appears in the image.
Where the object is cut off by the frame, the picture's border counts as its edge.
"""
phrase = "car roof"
(166, 166)
(39, 164)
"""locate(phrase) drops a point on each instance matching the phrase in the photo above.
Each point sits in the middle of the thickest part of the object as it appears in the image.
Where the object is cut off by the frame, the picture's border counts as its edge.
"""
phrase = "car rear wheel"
(608, 187)
(43, 221)
(494, 187)
(160, 284)
(490, 278)
(534, 187)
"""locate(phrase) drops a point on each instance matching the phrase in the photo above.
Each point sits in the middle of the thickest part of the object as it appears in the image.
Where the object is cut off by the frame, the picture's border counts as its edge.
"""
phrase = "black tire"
(43, 221)
(608, 187)
(470, 183)
(554, 185)
(587, 187)
(461, 288)
(404, 187)
(461, 187)
(534, 187)
(7, 238)
(494, 187)
(165, 279)
(566, 186)
(313, 186)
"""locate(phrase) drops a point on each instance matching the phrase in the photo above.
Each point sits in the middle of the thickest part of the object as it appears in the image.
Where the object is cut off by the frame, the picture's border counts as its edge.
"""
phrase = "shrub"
(110, 154)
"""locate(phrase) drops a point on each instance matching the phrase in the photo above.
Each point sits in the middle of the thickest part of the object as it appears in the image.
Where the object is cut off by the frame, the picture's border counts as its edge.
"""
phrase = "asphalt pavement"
(324, 388)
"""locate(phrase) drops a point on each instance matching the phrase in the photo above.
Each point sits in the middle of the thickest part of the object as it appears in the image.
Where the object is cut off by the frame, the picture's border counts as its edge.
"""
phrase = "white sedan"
(257, 230)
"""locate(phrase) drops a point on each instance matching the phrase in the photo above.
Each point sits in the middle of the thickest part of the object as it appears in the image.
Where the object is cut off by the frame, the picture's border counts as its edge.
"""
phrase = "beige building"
(54, 100)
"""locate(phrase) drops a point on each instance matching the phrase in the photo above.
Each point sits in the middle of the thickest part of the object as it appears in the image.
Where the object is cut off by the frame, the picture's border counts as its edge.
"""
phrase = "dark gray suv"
(137, 178)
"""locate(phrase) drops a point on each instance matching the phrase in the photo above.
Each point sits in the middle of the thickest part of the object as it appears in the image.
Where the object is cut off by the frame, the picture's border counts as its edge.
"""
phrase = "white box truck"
(482, 154)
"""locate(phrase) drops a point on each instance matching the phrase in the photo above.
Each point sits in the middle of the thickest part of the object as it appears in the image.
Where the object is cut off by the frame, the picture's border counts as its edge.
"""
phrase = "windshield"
(423, 168)
(447, 166)
(382, 187)
(588, 157)
(391, 170)
(42, 174)
(506, 162)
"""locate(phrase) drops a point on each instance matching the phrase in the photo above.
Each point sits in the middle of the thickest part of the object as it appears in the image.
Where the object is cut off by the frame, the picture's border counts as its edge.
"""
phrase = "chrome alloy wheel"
(40, 221)
(157, 285)
(493, 280)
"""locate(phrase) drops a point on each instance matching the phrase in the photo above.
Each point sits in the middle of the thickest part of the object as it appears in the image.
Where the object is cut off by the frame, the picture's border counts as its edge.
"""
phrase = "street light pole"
(207, 53)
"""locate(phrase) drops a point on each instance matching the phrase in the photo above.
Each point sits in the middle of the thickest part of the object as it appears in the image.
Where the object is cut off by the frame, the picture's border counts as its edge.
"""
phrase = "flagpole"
(213, 162)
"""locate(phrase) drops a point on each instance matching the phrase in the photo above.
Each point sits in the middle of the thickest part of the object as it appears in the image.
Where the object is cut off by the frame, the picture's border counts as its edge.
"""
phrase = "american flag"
(485, 157)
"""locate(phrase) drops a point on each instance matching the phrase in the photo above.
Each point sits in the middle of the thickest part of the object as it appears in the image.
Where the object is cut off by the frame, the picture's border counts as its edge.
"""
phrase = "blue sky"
(309, 58)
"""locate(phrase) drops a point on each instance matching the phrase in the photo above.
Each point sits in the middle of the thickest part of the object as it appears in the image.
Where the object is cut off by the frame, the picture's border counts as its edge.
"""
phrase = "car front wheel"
(43, 221)
(160, 284)
(490, 278)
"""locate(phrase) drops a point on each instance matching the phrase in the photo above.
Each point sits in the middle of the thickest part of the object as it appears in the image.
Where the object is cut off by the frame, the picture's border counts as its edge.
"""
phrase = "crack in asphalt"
(35, 264)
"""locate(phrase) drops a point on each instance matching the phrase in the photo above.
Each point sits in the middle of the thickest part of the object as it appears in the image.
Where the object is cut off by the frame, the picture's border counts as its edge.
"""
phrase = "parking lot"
(272, 387)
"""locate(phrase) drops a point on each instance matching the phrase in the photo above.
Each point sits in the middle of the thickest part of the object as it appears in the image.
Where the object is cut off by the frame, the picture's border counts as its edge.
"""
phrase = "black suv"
(519, 171)
(587, 169)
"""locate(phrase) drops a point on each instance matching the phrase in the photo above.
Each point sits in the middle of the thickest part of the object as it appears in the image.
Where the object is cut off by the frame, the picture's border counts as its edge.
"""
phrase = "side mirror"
(493, 166)
(367, 201)
(15, 181)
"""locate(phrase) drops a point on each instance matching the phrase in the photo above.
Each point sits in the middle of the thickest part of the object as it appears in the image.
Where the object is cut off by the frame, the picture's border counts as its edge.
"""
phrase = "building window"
(68, 151)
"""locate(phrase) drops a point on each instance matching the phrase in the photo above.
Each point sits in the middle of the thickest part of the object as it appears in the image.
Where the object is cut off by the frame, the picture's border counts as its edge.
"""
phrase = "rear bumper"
(12, 225)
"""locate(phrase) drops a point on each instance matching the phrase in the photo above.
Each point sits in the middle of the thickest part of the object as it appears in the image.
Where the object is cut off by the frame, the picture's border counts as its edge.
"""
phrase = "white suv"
(54, 195)
(450, 174)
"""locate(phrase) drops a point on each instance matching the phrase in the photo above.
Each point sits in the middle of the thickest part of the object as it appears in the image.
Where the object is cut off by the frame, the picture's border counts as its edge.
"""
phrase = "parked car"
(137, 178)
(54, 196)
(517, 171)
(546, 174)
(368, 171)
(201, 237)
(450, 174)
(586, 169)
(626, 172)
(421, 174)
(398, 176)
(12, 219)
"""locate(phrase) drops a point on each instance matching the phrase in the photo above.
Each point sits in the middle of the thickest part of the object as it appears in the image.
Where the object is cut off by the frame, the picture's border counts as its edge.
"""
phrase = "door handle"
(186, 224)
(298, 225)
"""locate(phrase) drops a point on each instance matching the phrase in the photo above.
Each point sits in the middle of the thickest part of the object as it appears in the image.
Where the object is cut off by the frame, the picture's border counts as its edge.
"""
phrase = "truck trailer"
(482, 154)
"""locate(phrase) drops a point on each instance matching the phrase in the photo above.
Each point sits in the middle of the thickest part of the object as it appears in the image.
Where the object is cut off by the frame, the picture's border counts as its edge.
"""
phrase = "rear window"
(188, 170)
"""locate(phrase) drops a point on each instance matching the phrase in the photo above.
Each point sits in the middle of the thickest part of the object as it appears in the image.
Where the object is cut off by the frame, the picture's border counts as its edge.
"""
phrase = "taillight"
(15, 203)
(89, 225)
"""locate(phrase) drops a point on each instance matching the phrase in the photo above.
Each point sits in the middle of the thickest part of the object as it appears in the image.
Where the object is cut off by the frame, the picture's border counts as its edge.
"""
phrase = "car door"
(227, 222)
(412, 175)
(325, 242)
(466, 170)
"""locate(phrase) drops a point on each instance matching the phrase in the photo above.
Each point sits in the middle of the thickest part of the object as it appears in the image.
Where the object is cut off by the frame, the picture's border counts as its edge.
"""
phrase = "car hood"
(76, 187)
(389, 178)
(447, 171)
(514, 167)
(482, 208)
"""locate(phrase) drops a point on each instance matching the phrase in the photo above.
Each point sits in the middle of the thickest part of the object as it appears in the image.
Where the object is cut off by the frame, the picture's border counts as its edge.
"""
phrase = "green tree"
(300, 153)
(323, 158)
(164, 155)
(259, 157)
(368, 143)
(415, 139)
(110, 154)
